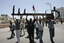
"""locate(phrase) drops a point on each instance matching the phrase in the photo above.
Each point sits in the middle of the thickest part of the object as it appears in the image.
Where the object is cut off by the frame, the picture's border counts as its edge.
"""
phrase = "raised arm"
(15, 21)
(46, 22)
(19, 21)
(26, 19)
(34, 19)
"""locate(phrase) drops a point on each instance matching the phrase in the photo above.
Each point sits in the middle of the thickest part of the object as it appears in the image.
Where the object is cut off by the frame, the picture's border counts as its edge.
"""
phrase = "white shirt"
(36, 24)
(40, 26)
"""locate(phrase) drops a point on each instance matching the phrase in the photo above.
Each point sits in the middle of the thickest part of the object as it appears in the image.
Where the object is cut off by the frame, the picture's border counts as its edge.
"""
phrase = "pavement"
(59, 35)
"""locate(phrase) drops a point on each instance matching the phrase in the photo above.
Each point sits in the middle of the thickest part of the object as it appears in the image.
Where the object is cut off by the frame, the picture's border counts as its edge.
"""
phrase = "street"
(59, 35)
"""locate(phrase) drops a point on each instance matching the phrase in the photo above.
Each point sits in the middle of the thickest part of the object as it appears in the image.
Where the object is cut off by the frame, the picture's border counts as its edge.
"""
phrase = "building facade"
(4, 18)
(61, 10)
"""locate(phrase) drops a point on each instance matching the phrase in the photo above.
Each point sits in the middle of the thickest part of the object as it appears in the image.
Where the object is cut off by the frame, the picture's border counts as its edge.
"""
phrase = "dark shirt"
(17, 25)
(30, 25)
(11, 27)
(51, 24)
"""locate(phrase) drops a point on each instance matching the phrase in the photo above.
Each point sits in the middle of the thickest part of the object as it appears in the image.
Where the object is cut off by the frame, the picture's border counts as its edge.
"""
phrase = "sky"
(40, 5)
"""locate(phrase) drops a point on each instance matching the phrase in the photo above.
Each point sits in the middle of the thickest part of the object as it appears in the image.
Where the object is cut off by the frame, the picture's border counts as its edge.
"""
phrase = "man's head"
(30, 19)
(49, 18)
(36, 20)
(16, 20)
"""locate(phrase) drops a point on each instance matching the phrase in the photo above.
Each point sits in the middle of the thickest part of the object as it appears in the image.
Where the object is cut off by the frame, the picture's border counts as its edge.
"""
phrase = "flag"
(34, 9)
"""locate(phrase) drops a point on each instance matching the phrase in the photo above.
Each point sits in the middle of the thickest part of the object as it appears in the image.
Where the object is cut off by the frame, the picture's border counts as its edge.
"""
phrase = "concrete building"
(61, 10)
(4, 18)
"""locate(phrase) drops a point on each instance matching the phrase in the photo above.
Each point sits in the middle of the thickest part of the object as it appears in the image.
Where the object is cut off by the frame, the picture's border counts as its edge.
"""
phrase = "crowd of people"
(30, 25)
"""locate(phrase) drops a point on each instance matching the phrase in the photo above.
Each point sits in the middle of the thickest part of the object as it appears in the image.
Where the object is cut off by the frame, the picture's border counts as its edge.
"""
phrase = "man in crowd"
(31, 29)
(17, 23)
(37, 30)
(51, 28)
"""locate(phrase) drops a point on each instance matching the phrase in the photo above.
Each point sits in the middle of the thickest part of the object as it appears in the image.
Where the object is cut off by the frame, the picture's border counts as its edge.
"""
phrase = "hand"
(27, 15)
(33, 16)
